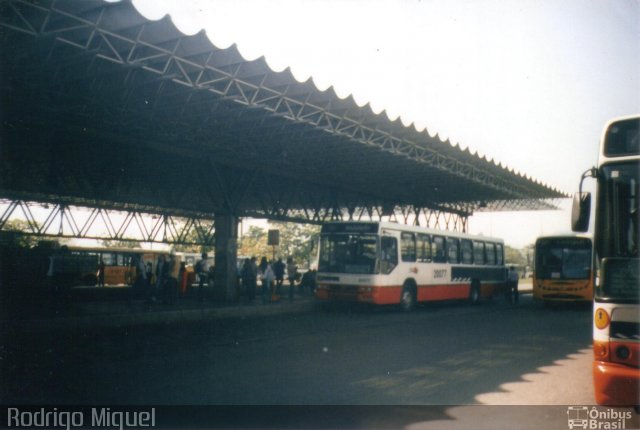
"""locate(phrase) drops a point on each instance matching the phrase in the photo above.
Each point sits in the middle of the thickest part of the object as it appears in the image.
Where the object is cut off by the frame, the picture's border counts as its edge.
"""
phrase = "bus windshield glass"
(348, 253)
(563, 259)
(618, 210)
(619, 188)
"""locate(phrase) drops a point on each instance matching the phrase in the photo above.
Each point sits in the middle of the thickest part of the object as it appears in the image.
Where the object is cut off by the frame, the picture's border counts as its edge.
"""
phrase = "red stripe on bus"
(443, 292)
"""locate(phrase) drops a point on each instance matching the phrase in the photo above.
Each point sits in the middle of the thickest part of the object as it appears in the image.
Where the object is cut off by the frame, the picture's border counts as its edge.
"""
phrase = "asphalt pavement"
(111, 307)
(103, 311)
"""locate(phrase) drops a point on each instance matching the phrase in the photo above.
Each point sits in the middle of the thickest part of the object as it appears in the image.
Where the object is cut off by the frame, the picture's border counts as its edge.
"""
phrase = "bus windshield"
(563, 259)
(619, 205)
(348, 253)
(619, 189)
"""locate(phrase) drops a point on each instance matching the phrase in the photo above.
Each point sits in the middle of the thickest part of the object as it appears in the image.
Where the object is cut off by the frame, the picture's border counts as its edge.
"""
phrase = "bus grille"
(343, 290)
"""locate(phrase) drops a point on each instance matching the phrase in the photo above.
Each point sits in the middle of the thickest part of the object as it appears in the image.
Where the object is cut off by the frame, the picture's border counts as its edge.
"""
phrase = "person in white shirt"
(512, 283)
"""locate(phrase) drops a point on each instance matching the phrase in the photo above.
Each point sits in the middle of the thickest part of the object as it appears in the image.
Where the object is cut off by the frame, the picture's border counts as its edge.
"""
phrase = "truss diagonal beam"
(47, 220)
(104, 224)
(134, 48)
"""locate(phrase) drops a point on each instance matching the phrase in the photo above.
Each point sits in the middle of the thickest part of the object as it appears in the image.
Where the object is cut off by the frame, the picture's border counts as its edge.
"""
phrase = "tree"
(254, 243)
(16, 232)
(514, 256)
(296, 241)
(120, 244)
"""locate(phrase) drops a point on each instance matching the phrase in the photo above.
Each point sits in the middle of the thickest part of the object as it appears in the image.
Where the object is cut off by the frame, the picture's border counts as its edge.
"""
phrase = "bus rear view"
(616, 322)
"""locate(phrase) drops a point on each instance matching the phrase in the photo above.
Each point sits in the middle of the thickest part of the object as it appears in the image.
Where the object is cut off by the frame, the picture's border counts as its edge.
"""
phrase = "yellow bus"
(119, 263)
(563, 269)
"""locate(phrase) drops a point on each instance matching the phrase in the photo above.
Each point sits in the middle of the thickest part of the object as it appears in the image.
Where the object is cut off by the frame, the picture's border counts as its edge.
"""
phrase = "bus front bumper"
(562, 298)
(616, 384)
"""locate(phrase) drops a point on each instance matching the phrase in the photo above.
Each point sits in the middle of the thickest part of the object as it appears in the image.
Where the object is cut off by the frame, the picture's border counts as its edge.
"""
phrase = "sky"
(527, 83)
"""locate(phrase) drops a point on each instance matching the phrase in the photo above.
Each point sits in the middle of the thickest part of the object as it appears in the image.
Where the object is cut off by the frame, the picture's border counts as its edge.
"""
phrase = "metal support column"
(226, 247)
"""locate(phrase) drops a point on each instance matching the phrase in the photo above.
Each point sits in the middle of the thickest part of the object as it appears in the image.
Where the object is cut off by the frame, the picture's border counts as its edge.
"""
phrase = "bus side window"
(408, 247)
(490, 251)
(109, 259)
(438, 249)
(424, 248)
(499, 254)
(478, 252)
(388, 254)
(466, 251)
(452, 249)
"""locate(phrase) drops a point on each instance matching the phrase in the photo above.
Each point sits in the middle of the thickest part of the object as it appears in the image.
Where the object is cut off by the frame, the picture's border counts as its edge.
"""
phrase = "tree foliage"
(120, 244)
(254, 243)
(519, 257)
(297, 241)
(15, 233)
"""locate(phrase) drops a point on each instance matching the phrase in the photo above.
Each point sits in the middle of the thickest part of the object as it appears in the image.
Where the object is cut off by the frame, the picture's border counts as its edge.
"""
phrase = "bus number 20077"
(440, 273)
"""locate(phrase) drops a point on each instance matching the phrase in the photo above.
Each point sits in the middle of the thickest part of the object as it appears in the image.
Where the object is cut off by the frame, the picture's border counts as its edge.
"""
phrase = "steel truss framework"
(60, 220)
(180, 94)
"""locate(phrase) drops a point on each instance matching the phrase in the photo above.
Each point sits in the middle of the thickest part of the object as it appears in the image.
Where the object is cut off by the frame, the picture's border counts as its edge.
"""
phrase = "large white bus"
(386, 263)
(616, 310)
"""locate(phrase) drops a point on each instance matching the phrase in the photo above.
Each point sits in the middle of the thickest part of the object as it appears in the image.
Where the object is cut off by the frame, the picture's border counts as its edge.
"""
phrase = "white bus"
(387, 263)
(616, 310)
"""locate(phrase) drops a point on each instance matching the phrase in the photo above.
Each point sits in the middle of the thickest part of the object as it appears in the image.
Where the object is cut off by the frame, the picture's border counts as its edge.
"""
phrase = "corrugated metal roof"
(104, 78)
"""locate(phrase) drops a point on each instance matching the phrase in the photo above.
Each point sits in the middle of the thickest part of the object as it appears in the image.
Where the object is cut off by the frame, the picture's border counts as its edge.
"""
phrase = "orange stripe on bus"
(443, 292)
(386, 295)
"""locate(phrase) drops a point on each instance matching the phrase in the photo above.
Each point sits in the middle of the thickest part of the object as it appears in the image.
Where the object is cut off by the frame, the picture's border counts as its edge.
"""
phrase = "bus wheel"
(408, 298)
(474, 294)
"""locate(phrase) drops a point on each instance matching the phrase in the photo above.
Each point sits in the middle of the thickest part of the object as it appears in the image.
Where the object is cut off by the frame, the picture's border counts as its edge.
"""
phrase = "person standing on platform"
(162, 273)
(512, 279)
(292, 275)
(101, 267)
(278, 270)
(266, 275)
(249, 276)
(182, 278)
(141, 283)
(170, 283)
(148, 269)
(202, 270)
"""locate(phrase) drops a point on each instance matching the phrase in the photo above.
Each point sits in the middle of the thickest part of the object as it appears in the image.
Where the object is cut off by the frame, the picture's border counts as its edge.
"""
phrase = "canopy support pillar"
(226, 249)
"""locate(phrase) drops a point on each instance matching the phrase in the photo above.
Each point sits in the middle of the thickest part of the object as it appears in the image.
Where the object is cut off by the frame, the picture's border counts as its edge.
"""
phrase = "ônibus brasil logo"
(597, 418)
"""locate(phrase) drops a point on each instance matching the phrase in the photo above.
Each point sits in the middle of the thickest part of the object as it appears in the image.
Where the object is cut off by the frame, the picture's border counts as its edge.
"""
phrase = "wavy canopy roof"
(118, 108)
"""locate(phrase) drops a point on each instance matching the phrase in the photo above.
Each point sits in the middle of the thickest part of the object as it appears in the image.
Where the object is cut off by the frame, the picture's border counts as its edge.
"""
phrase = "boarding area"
(162, 137)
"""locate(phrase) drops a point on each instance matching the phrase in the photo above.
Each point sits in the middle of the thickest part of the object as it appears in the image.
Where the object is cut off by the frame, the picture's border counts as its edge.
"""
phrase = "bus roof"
(375, 226)
(567, 236)
(119, 250)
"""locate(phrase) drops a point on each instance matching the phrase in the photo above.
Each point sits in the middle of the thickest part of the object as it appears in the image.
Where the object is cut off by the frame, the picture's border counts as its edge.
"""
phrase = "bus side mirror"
(580, 212)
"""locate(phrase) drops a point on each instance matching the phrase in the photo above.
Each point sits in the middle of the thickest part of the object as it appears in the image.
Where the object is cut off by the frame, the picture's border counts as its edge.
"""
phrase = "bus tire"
(408, 297)
(474, 293)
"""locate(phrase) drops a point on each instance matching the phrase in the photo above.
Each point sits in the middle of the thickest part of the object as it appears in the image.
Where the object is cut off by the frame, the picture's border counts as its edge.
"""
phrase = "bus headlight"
(622, 352)
(601, 319)
(600, 350)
